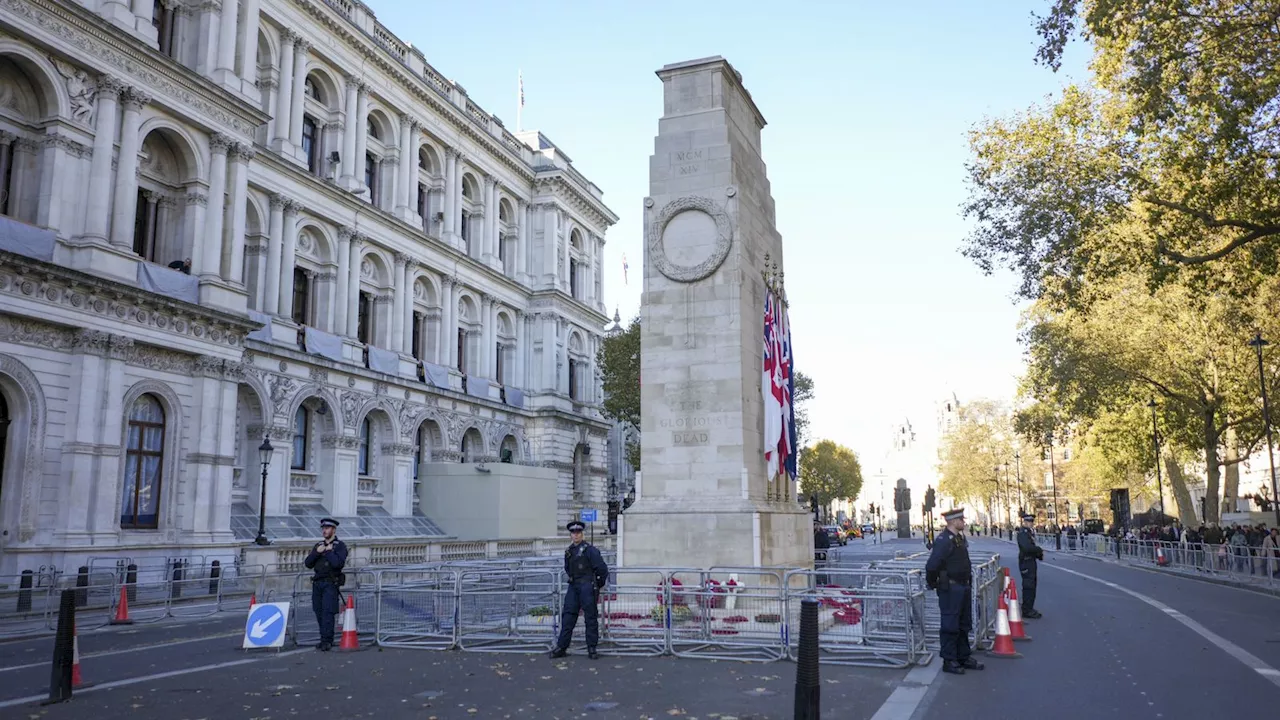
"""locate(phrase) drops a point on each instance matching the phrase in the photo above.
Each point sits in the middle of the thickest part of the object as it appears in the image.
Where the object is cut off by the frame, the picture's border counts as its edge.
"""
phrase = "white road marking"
(1250, 660)
(156, 676)
(903, 701)
(125, 651)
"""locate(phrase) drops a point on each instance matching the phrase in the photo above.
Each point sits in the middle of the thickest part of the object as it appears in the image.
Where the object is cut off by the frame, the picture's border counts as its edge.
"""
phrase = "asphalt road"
(1121, 642)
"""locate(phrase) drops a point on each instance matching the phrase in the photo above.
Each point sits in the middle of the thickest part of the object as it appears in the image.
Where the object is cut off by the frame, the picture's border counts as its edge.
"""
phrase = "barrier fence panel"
(872, 617)
(633, 612)
(362, 587)
(26, 602)
(506, 611)
(418, 608)
(734, 614)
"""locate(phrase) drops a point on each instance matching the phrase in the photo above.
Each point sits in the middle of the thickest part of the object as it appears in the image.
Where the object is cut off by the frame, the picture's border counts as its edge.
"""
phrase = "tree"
(804, 393)
(831, 472)
(619, 363)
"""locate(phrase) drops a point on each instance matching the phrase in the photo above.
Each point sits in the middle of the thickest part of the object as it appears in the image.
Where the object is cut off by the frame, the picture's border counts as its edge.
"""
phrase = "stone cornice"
(80, 33)
(45, 283)
(553, 183)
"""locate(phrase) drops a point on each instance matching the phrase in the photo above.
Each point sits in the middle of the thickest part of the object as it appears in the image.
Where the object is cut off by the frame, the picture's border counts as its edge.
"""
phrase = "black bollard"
(131, 581)
(82, 586)
(24, 591)
(63, 649)
(175, 587)
(808, 684)
(215, 572)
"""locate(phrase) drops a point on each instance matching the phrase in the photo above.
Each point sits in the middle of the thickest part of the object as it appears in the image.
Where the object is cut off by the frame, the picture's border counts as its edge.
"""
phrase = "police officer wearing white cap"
(1028, 554)
(950, 573)
(587, 573)
(327, 559)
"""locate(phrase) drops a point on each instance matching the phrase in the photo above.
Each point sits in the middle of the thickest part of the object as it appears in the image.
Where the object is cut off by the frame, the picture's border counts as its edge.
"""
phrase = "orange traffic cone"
(1015, 615)
(76, 681)
(1161, 560)
(1003, 645)
(122, 609)
(350, 640)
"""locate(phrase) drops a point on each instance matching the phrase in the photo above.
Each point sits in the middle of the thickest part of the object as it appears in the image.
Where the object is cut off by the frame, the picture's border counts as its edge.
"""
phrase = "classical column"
(233, 256)
(517, 379)
(299, 84)
(549, 354)
(126, 200)
(227, 39)
(142, 24)
(482, 367)
(98, 203)
(401, 202)
(248, 40)
(409, 265)
(288, 257)
(353, 287)
(490, 220)
(517, 261)
(362, 134)
(284, 94)
(397, 304)
(449, 348)
(275, 245)
(492, 319)
(349, 163)
(551, 240)
(450, 201)
(210, 255)
(344, 261)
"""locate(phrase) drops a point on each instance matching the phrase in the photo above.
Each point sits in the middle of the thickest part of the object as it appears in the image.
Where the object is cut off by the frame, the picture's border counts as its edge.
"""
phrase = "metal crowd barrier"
(361, 586)
(502, 611)
(870, 616)
(1242, 563)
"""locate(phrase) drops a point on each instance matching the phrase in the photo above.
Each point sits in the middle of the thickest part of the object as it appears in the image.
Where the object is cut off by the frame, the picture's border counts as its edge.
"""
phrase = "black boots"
(591, 653)
(1032, 614)
(971, 664)
(559, 653)
(953, 667)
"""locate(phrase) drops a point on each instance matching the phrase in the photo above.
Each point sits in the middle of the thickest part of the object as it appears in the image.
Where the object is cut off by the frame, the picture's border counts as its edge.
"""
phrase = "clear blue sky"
(868, 105)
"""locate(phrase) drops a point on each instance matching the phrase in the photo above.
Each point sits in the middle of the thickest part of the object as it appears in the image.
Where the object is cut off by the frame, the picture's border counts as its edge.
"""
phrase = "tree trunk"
(1231, 484)
(1212, 466)
(1181, 496)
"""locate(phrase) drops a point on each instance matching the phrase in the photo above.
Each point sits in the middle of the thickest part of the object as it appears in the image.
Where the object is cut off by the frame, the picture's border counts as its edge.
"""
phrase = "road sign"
(589, 516)
(265, 626)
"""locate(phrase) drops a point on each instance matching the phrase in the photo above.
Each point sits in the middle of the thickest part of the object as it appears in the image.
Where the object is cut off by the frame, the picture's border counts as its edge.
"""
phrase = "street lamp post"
(1017, 459)
(1258, 343)
(1155, 440)
(264, 455)
(1053, 481)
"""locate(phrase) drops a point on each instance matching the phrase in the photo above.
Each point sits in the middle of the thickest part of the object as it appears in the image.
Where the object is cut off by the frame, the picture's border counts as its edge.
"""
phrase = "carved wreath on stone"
(687, 273)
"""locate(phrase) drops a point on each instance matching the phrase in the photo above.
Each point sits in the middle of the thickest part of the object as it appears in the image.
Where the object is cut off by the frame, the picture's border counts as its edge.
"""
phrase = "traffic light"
(929, 499)
(813, 504)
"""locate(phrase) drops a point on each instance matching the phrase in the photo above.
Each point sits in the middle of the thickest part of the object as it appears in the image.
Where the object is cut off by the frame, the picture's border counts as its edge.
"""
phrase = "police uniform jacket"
(327, 566)
(950, 556)
(1027, 548)
(583, 562)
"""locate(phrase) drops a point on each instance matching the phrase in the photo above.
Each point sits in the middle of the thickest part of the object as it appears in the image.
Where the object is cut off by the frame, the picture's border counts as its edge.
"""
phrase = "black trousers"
(579, 595)
(1028, 569)
(324, 601)
(956, 606)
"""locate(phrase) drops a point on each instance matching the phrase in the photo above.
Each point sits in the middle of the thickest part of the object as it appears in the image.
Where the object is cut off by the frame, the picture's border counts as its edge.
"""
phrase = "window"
(502, 250)
(309, 144)
(371, 129)
(417, 453)
(462, 350)
(363, 460)
(497, 356)
(164, 21)
(573, 379)
(301, 428)
(143, 467)
(466, 231)
(145, 219)
(1066, 454)
(301, 296)
(364, 320)
(6, 177)
(417, 336)
(465, 443)
(371, 176)
(573, 277)
(309, 89)
(422, 201)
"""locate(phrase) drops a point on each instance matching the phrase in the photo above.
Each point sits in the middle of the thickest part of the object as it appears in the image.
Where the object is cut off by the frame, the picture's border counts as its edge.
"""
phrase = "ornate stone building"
(228, 221)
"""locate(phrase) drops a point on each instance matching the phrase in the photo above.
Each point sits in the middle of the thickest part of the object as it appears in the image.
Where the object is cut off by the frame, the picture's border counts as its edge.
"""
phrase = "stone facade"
(372, 273)
(703, 498)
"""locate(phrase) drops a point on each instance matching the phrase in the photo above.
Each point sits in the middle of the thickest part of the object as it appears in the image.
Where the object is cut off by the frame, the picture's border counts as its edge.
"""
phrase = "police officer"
(950, 573)
(1028, 554)
(327, 559)
(587, 573)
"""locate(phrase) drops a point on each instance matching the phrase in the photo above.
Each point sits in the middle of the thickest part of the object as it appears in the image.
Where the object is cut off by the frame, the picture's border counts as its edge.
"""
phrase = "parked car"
(836, 537)
(868, 529)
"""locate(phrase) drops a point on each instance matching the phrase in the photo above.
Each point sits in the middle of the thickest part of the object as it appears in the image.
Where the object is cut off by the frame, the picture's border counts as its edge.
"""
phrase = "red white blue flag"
(777, 387)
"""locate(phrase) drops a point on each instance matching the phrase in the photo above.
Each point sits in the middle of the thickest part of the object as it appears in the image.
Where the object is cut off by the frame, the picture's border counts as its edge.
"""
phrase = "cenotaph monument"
(702, 496)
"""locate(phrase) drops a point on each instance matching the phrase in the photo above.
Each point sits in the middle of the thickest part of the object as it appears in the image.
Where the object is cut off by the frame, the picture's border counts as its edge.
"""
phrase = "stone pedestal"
(904, 525)
(709, 221)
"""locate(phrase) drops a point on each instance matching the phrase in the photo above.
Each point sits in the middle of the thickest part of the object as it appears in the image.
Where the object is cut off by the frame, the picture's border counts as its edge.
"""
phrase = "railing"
(480, 115)
(302, 481)
(342, 6)
(1249, 565)
(367, 486)
(390, 43)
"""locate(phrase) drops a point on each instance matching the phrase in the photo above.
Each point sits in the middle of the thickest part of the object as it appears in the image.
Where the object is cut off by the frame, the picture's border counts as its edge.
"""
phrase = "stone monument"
(902, 503)
(703, 498)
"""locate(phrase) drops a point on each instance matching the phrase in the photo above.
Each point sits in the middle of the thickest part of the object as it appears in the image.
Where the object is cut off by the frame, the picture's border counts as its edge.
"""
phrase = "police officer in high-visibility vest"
(1028, 554)
(950, 573)
(587, 573)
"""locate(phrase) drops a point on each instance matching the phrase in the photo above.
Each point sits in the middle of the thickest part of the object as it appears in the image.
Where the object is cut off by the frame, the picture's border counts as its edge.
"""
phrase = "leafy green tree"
(973, 456)
(619, 363)
(804, 393)
(831, 472)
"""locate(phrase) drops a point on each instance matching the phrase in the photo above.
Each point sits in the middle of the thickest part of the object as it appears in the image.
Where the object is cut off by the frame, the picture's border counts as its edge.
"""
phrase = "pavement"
(1115, 641)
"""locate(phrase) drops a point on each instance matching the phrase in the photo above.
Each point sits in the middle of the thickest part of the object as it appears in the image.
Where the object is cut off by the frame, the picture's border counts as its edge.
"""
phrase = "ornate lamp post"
(1155, 440)
(264, 455)
(1258, 343)
(1017, 459)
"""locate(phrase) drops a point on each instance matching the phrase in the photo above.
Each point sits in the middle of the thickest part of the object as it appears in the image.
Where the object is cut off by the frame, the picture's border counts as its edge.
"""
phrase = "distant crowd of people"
(1252, 549)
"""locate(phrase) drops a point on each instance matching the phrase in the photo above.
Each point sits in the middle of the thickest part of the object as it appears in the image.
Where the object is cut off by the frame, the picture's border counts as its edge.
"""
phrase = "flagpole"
(520, 101)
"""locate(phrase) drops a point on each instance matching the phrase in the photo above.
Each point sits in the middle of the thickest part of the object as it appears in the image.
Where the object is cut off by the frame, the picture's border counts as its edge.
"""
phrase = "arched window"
(143, 467)
(573, 278)
(309, 145)
(309, 89)
(371, 176)
(363, 461)
(371, 128)
(573, 379)
(164, 20)
(301, 429)
(301, 296)
(4, 435)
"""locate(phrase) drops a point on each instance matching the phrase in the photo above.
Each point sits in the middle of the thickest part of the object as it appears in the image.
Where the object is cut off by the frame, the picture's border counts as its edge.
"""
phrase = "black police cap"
(575, 526)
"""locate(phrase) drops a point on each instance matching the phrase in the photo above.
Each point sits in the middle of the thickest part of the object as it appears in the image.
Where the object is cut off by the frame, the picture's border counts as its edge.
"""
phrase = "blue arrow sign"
(265, 625)
(589, 516)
